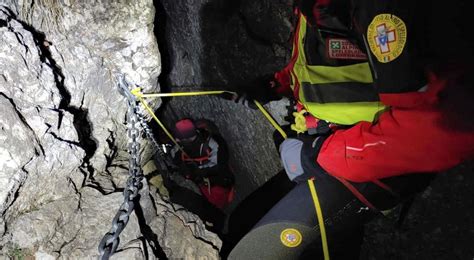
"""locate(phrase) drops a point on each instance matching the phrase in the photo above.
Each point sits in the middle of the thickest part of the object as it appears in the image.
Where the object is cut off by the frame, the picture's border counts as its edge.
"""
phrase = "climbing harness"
(135, 119)
(361, 196)
(200, 161)
(300, 122)
(356, 193)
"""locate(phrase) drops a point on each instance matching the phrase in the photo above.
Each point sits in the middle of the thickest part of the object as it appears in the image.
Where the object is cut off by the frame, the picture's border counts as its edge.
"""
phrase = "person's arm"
(403, 141)
(263, 89)
(404, 135)
(282, 83)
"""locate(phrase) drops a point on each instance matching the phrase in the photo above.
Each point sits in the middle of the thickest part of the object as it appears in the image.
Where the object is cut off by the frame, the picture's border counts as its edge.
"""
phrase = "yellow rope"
(140, 96)
(183, 94)
(319, 213)
(270, 119)
(137, 92)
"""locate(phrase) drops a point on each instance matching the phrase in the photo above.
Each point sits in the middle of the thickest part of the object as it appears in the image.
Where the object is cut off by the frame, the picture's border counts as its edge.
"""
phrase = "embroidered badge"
(344, 49)
(386, 35)
(291, 237)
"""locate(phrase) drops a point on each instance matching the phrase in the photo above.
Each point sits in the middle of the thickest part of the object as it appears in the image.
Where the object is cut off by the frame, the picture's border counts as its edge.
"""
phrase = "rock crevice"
(63, 151)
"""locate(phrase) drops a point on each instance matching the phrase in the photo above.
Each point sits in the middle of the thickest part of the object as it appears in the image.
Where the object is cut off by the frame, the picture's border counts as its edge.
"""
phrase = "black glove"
(228, 95)
(239, 98)
(245, 100)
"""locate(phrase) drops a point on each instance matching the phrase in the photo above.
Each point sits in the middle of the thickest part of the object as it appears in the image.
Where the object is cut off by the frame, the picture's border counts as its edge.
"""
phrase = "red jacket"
(417, 134)
(414, 136)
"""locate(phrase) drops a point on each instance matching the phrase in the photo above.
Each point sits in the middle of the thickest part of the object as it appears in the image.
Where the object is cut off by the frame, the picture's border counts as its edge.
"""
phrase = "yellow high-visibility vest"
(338, 94)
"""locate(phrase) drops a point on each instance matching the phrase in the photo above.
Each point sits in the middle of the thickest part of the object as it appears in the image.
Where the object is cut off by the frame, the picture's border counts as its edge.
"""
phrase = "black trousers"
(344, 217)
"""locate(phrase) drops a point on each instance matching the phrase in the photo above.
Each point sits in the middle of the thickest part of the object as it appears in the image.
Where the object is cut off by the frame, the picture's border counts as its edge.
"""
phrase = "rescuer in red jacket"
(420, 59)
(420, 75)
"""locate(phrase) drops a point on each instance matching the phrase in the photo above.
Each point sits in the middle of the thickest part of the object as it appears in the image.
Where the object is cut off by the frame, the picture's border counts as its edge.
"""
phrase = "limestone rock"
(63, 151)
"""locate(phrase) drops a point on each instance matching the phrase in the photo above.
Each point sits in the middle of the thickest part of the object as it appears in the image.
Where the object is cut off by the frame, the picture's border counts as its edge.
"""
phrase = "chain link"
(163, 159)
(111, 239)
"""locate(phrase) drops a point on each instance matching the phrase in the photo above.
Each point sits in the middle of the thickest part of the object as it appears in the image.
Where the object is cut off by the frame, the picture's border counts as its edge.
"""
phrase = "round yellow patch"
(386, 35)
(291, 237)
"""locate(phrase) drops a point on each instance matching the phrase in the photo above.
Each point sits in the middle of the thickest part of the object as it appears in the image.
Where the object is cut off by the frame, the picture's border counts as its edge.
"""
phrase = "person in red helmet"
(203, 158)
(422, 80)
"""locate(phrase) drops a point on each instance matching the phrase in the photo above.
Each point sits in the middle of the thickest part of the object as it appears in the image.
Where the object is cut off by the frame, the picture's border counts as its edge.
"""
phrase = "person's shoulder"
(214, 141)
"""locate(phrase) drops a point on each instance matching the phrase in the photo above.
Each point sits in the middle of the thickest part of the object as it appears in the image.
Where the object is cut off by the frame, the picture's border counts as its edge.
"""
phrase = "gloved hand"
(245, 100)
(228, 95)
(240, 98)
(263, 90)
(299, 155)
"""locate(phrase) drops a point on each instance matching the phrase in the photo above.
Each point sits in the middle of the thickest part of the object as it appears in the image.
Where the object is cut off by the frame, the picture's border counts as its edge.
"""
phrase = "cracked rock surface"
(63, 141)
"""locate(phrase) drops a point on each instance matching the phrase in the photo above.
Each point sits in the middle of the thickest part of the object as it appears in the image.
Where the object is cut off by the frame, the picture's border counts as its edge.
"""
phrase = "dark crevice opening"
(161, 20)
(147, 232)
(81, 120)
(113, 148)
(160, 32)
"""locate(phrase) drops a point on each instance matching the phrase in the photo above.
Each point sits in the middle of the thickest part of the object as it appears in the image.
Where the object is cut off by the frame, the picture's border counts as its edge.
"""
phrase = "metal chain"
(163, 159)
(111, 239)
(148, 132)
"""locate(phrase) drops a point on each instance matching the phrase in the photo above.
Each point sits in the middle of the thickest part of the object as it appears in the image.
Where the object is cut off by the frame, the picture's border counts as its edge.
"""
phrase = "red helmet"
(185, 129)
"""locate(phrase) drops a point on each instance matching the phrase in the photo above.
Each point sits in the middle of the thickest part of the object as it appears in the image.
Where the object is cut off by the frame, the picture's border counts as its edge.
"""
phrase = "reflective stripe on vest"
(338, 94)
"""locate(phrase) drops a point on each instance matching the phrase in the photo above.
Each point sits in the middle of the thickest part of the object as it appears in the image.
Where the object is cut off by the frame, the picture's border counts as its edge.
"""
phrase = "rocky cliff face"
(63, 132)
(63, 152)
